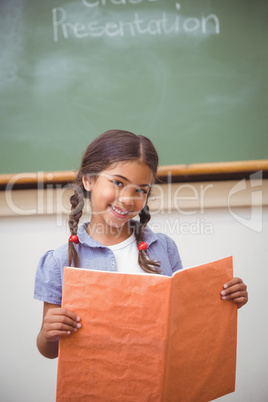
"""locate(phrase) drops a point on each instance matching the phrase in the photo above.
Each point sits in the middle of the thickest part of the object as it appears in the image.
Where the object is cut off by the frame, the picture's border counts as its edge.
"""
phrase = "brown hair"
(111, 147)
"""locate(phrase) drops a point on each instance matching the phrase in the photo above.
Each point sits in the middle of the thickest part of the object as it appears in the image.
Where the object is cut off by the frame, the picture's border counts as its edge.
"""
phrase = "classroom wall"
(204, 230)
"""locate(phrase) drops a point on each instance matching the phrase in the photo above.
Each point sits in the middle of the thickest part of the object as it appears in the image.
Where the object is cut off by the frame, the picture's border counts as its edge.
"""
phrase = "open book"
(148, 337)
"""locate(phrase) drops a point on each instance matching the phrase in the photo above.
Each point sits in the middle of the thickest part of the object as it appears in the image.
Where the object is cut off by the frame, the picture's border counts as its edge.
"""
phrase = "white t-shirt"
(126, 255)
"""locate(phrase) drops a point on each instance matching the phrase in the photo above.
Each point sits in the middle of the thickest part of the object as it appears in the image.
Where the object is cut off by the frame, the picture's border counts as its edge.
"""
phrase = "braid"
(77, 203)
(145, 263)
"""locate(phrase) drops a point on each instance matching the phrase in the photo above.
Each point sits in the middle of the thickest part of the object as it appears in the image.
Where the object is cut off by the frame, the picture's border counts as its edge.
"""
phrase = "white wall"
(27, 376)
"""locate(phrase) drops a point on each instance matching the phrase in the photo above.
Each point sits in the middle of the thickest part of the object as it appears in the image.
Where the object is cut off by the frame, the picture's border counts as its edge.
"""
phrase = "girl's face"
(118, 194)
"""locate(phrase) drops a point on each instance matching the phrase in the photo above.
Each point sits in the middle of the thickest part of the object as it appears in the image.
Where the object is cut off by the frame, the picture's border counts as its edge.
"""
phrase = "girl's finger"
(235, 295)
(61, 320)
(60, 315)
(234, 288)
(64, 312)
(55, 334)
(233, 281)
(61, 327)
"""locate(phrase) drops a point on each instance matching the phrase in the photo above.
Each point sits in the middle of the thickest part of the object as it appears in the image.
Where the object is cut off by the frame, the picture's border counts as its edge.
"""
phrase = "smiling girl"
(117, 172)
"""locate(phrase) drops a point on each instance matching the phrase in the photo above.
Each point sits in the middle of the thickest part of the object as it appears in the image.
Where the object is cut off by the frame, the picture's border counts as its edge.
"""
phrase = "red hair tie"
(74, 239)
(142, 246)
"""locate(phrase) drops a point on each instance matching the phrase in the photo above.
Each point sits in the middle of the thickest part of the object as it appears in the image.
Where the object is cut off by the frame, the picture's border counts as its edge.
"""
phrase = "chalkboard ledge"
(166, 174)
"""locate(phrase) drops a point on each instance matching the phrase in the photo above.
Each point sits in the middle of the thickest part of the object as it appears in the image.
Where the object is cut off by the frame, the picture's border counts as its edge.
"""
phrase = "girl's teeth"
(118, 211)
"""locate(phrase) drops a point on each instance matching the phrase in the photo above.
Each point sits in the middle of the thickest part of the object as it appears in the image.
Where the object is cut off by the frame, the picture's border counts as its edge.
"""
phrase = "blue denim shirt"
(93, 255)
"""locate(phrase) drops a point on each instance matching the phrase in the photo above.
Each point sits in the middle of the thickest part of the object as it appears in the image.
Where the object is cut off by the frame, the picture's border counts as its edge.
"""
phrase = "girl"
(117, 173)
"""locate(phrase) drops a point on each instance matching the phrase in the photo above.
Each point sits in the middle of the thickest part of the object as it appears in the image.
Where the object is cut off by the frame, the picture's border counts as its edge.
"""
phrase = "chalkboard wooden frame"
(169, 173)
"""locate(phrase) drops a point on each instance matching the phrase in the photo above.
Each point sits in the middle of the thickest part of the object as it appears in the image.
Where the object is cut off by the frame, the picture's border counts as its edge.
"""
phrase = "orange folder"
(148, 337)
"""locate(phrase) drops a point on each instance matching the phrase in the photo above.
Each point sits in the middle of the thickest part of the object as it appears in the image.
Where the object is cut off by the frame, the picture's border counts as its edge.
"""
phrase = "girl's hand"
(57, 322)
(236, 291)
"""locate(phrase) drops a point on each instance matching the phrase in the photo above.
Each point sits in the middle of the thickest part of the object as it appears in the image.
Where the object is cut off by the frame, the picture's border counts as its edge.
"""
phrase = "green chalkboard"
(191, 75)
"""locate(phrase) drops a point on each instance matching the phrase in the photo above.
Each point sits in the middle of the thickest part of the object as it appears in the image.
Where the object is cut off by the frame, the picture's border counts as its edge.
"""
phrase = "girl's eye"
(117, 183)
(142, 191)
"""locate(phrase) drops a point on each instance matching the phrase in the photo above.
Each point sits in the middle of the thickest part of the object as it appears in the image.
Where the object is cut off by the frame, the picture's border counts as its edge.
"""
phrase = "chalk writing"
(96, 3)
(166, 23)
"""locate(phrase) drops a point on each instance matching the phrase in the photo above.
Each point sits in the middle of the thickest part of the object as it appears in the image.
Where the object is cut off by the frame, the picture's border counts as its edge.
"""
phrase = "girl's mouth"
(119, 211)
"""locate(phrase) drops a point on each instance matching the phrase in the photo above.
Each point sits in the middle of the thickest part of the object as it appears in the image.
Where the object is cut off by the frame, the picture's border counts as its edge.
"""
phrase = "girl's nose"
(127, 196)
(127, 200)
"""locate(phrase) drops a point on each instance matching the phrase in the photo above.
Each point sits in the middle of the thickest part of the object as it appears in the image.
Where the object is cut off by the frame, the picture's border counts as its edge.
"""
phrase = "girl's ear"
(87, 182)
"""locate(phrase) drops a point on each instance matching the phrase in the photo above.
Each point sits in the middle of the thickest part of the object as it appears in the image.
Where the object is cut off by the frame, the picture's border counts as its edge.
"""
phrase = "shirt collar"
(84, 238)
(149, 236)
